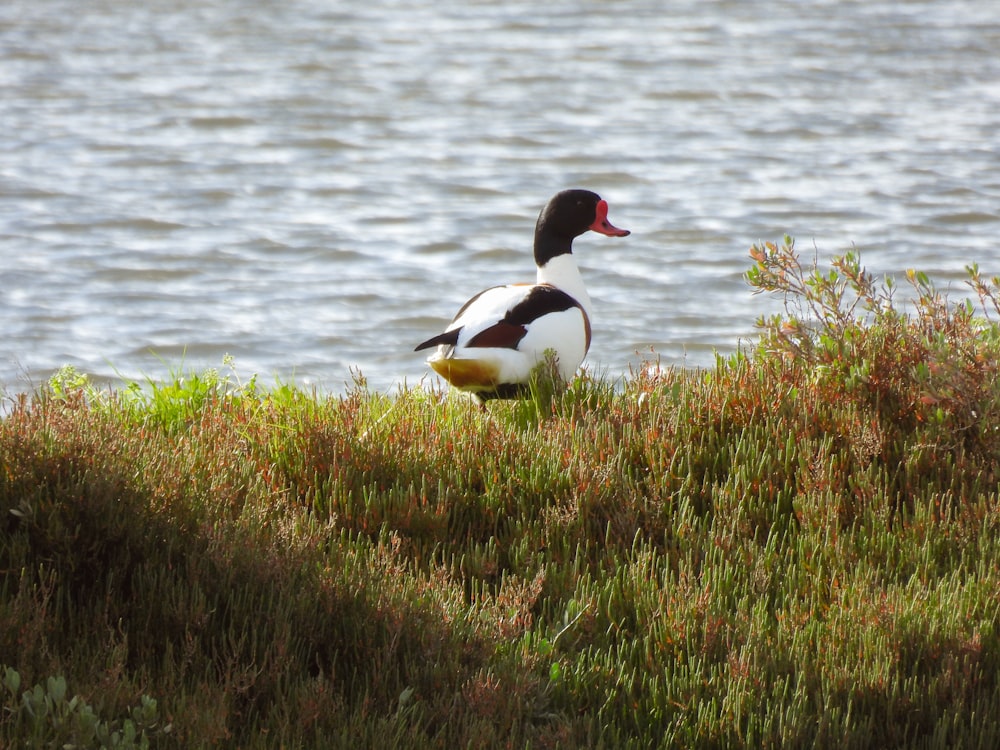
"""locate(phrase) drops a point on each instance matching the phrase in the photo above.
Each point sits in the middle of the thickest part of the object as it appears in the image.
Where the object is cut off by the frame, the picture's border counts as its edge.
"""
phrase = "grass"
(796, 548)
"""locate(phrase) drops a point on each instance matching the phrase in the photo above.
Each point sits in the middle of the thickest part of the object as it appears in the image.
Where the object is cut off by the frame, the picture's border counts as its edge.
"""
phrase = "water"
(312, 189)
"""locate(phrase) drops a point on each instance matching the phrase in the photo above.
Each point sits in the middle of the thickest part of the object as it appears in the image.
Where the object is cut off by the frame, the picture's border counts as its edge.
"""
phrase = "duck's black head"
(565, 217)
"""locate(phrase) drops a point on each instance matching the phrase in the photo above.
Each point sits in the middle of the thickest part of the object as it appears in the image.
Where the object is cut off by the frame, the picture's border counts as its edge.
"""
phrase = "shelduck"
(501, 334)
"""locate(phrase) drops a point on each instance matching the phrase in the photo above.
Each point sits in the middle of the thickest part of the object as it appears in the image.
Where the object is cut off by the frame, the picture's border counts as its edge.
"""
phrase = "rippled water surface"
(312, 188)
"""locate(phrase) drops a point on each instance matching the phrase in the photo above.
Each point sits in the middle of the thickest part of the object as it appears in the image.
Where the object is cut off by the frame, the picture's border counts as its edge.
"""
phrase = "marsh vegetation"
(795, 548)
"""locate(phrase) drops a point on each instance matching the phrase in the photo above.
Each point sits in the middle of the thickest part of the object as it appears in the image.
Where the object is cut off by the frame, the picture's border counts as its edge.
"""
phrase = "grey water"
(313, 187)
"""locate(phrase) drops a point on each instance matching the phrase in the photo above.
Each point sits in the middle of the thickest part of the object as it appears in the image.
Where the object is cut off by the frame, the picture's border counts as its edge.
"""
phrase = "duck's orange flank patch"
(466, 373)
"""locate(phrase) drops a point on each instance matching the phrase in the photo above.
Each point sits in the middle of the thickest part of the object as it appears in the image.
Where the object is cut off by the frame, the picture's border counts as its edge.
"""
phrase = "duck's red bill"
(601, 224)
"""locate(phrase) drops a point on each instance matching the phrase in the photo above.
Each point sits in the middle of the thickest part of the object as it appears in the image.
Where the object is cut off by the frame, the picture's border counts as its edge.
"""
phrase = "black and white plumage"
(502, 333)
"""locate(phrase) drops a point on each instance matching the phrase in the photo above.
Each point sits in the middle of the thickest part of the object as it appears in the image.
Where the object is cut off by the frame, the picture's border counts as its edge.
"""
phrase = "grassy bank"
(799, 547)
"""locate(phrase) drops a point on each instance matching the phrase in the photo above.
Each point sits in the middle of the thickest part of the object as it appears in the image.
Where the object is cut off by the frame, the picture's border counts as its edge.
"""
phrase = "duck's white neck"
(563, 273)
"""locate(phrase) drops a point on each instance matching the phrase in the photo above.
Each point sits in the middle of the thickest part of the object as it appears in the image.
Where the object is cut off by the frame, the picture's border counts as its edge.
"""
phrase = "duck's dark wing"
(502, 327)
(448, 337)
(540, 300)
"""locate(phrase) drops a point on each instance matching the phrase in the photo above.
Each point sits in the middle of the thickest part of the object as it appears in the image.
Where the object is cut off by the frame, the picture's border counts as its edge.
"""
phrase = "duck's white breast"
(565, 332)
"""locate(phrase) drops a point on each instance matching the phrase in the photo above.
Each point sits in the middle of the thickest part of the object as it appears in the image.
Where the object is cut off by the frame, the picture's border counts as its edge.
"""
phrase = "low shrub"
(794, 548)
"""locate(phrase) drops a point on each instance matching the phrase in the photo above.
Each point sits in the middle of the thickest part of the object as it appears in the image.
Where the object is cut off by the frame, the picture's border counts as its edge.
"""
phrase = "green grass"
(799, 547)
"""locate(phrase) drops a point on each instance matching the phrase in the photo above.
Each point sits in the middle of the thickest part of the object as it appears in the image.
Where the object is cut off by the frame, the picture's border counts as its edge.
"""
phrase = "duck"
(501, 334)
